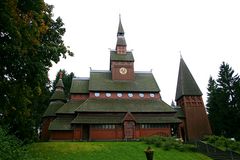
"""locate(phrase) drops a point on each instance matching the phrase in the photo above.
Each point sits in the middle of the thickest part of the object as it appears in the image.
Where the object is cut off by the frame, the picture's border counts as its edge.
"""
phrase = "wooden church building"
(123, 104)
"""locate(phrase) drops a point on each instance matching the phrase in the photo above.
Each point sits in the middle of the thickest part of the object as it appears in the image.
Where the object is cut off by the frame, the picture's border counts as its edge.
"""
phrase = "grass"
(104, 151)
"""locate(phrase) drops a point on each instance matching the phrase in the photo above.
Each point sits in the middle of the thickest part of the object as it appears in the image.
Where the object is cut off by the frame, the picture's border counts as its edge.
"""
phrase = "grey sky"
(206, 31)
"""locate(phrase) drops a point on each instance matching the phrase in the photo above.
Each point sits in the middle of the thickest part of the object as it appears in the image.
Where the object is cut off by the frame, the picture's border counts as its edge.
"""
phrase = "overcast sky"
(207, 32)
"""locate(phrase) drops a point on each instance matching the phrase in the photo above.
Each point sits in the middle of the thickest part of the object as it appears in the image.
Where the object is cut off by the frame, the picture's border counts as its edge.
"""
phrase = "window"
(141, 95)
(119, 94)
(108, 94)
(104, 126)
(152, 95)
(97, 94)
(130, 95)
(152, 125)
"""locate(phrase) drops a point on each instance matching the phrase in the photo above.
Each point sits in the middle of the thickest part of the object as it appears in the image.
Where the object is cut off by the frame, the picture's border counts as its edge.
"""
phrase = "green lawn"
(104, 151)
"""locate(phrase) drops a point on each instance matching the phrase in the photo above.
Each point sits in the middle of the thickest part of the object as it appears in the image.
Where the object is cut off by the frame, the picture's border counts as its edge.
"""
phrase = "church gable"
(128, 117)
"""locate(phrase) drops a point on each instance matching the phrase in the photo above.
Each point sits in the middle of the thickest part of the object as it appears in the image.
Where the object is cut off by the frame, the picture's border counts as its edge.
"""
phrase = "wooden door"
(85, 135)
(129, 127)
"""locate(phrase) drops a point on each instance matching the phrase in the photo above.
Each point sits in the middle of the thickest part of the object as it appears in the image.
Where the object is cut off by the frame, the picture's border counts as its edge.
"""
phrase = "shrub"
(190, 147)
(10, 146)
(158, 144)
(222, 142)
(166, 143)
(151, 140)
(180, 148)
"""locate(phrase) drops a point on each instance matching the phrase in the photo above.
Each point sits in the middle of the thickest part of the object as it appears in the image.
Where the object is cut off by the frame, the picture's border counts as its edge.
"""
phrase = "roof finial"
(180, 52)
(60, 75)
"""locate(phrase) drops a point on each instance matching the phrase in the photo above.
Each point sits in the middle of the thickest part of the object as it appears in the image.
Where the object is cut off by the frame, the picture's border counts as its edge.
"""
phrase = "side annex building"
(123, 104)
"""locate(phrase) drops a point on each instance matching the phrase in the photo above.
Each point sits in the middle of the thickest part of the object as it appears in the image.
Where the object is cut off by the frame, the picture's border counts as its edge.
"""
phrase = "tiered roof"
(57, 100)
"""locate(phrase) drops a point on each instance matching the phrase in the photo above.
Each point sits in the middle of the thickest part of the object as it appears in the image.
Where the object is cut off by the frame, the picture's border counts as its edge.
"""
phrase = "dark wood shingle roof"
(69, 107)
(98, 119)
(52, 108)
(123, 105)
(79, 86)
(102, 81)
(58, 95)
(186, 85)
(157, 119)
(59, 84)
(128, 57)
(119, 118)
(61, 123)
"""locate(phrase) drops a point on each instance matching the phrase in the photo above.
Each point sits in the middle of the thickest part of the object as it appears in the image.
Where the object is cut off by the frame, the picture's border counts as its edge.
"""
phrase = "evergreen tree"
(223, 102)
(213, 107)
(30, 40)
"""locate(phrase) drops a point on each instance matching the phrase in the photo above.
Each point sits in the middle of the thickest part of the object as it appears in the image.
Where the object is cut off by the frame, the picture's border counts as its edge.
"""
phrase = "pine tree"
(223, 102)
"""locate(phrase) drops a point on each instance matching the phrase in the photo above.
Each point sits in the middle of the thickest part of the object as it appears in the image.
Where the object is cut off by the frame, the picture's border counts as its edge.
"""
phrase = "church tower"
(189, 98)
(57, 100)
(121, 60)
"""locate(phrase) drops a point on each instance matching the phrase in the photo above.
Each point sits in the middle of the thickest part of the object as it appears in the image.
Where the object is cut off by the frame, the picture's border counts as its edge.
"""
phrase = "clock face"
(123, 70)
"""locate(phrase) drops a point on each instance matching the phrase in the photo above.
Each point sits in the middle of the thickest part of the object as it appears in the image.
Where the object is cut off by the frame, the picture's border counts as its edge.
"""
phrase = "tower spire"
(120, 27)
(186, 84)
(121, 46)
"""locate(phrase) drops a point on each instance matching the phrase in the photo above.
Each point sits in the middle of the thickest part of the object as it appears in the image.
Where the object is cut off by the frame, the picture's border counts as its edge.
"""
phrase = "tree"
(223, 102)
(67, 81)
(30, 40)
(10, 146)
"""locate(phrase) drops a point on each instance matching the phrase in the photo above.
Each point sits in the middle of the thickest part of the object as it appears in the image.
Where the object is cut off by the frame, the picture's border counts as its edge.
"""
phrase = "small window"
(130, 95)
(141, 95)
(152, 95)
(97, 94)
(108, 94)
(119, 94)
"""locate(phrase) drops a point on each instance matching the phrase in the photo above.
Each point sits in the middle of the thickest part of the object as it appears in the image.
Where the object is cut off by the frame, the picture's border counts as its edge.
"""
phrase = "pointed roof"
(120, 35)
(52, 108)
(121, 41)
(128, 117)
(60, 84)
(59, 94)
(186, 85)
(120, 28)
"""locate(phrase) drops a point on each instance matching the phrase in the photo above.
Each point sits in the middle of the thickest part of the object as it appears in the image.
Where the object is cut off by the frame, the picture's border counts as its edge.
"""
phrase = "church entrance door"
(129, 127)
(85, 131)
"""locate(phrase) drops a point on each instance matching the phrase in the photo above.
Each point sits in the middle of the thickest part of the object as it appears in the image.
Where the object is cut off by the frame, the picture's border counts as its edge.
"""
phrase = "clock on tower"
(121, 61)
(123, 70)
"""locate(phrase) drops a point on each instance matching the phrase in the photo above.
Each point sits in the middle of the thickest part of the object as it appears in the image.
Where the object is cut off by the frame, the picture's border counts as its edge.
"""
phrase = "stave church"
(124, 104)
